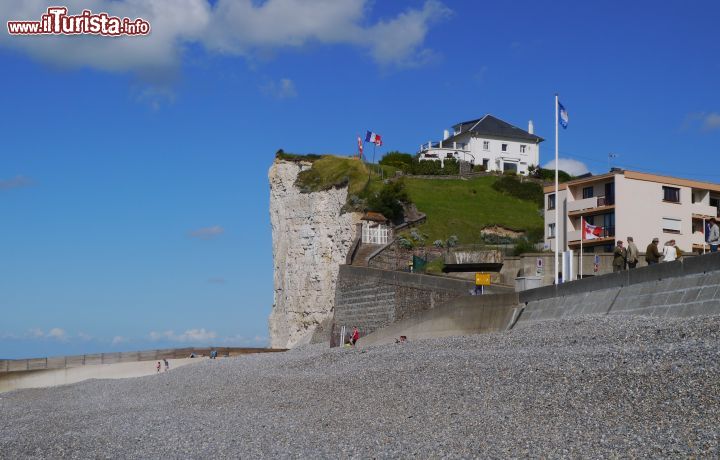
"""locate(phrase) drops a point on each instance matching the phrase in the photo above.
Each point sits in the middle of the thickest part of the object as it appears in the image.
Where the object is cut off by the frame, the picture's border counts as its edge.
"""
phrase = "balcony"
(594, 205)
(607, 235)
(703, 211)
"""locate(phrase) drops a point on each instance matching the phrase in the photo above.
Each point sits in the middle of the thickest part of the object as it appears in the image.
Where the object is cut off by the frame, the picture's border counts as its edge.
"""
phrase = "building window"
(551, 230)
(486, 145)
(671, 225)
(510, 167)
(486, 162)
(551, 201)
(671, 194)
(504, 147)
(522, 148)
(587, 192)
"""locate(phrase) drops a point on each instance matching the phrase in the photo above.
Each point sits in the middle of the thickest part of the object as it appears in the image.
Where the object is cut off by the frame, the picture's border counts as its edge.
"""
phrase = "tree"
(389, 201)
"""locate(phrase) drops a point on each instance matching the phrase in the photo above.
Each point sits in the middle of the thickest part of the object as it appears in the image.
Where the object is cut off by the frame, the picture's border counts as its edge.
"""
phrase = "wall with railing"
(64, 362)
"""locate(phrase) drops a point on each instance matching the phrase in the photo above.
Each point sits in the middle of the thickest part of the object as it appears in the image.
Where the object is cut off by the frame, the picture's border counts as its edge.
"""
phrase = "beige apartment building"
(629, 203)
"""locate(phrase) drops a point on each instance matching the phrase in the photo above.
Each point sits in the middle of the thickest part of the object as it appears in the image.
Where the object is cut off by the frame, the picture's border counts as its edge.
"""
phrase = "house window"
(551, 201)
(486, 145)
(587, 192)
(551, 230)
(671, 225)
(522, 148)
(510, 167)
(671, 194)
(504, 147)
(486, 162)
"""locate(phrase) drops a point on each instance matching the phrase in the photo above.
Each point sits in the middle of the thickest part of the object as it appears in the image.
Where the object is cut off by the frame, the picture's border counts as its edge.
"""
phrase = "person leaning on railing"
(652, 254)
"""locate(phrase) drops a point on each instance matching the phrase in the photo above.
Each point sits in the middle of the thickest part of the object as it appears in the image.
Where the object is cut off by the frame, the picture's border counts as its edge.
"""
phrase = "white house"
(487, 141)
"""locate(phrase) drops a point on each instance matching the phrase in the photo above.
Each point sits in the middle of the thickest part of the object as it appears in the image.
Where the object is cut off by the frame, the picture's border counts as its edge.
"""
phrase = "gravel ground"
(584, 387)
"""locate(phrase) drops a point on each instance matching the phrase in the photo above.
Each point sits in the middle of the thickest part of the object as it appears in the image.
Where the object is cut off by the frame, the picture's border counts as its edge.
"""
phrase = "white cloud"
(207, 233)
(572, 167)
(235, 27)
(15, 182)
(119, 339)
(191, 335)
(711, 121)
(37, 333)
(57, 333)
(706, 121)
(282, 89)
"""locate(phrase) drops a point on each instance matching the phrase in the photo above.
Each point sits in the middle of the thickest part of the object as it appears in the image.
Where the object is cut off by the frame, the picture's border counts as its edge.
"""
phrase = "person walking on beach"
(167, 365)
(355, 336)
(157, 366)
(652, 255)
(619, 257)
(632, 253)
(714, 235)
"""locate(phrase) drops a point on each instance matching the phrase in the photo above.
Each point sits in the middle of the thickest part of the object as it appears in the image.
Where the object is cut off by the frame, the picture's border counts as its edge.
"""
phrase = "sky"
(133, 170)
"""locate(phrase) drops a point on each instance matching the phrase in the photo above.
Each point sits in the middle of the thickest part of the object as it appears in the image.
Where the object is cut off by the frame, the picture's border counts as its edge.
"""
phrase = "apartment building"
(629, 203)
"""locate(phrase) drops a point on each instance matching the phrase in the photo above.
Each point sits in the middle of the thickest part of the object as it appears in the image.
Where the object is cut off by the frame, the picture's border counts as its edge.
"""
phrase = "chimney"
(531, 128)
(446, 134)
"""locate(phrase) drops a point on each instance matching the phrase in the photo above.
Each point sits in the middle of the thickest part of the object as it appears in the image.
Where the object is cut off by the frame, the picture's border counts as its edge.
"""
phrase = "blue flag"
(562, 116)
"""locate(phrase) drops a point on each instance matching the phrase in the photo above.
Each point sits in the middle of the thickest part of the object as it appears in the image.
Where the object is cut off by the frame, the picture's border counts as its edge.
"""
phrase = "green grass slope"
(464, 207)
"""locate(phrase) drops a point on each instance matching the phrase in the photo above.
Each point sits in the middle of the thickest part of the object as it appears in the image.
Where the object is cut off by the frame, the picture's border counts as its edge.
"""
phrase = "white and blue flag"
(562, 116)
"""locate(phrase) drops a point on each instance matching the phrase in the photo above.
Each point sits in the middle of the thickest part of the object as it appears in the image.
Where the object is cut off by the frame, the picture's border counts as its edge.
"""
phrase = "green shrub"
(479, 168)
(280, 154)
(548, 175)
(399, 160)
(389, 200)
(523, 190)
(523, 246)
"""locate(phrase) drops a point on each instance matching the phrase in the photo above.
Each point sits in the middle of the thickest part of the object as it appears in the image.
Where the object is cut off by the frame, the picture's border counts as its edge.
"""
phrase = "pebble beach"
(582, 387)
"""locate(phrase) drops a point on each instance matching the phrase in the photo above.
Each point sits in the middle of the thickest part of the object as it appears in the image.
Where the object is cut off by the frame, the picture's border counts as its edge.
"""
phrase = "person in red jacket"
(355, 335)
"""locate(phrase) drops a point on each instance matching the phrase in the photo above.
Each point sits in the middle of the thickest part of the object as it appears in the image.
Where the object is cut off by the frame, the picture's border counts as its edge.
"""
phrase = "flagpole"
(557, 197)
(582, 237)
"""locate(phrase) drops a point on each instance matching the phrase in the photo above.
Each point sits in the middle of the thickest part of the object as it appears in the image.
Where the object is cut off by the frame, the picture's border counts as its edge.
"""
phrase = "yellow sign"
(482, 279)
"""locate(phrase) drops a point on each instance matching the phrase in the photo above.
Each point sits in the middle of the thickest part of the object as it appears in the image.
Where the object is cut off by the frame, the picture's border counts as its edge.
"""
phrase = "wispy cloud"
(207, 233)
(190, 335)
(282, 89)
(118, 339)
(570, 166)
(231, 27)
(705, 121)
(15, 182)
(57, 333)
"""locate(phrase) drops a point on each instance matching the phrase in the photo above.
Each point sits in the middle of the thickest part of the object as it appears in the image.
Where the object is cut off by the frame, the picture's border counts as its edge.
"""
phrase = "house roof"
(374, 216)
(493, 126)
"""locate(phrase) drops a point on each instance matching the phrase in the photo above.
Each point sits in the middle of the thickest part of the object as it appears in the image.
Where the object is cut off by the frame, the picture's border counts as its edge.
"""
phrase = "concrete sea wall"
(684, 288)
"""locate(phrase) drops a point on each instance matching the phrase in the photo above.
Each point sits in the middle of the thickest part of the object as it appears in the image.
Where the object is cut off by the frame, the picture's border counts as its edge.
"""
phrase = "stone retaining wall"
(370, 299)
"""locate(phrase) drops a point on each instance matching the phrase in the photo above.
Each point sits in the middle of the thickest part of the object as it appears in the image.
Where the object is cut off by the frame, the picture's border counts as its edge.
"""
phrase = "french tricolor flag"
(374, 138)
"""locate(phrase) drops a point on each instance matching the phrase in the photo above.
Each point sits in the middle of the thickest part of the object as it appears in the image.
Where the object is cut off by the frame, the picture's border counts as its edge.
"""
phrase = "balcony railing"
(606, 232)
(590, 203)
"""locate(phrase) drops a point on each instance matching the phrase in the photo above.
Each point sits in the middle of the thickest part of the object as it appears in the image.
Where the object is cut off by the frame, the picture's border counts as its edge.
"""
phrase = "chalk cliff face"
(310, 240)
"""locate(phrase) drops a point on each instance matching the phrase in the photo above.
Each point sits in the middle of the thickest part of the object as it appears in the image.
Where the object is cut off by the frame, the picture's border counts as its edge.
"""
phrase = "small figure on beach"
(355, 336)
(669, 251)
(714, 235)
(157, 366)
(619, 257)
(652, 255)
(167, 365)
(213, 354)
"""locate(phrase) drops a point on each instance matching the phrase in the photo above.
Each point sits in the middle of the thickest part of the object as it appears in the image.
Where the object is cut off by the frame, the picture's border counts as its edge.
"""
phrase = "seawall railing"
(64, 362)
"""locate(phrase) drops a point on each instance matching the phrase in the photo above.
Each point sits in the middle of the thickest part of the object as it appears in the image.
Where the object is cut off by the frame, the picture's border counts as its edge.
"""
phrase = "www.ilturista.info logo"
(57, 22)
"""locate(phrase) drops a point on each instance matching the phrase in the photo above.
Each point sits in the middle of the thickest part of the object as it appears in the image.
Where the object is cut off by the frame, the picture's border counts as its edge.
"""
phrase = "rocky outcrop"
(311, 238)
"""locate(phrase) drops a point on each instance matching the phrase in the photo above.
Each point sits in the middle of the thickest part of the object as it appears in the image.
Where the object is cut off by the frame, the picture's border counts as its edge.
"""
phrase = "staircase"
(364, 251)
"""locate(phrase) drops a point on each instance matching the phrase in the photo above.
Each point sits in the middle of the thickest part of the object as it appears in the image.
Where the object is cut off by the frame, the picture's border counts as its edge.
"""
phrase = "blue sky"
(133, 171)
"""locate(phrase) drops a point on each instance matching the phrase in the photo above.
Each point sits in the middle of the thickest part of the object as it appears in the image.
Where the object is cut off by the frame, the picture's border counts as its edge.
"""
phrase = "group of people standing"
(629, 257)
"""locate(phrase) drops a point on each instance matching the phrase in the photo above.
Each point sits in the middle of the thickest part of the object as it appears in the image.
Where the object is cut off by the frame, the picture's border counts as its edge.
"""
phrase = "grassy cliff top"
(453, 206)
(330, 171)
(464, 207)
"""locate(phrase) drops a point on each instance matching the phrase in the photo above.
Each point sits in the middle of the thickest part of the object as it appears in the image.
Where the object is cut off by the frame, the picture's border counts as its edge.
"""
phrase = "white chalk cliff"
(311, 238)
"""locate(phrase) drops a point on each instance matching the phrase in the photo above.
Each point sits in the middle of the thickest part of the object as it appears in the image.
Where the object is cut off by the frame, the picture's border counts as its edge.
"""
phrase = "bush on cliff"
(529, 191)
(389, 201)
(332, 172)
